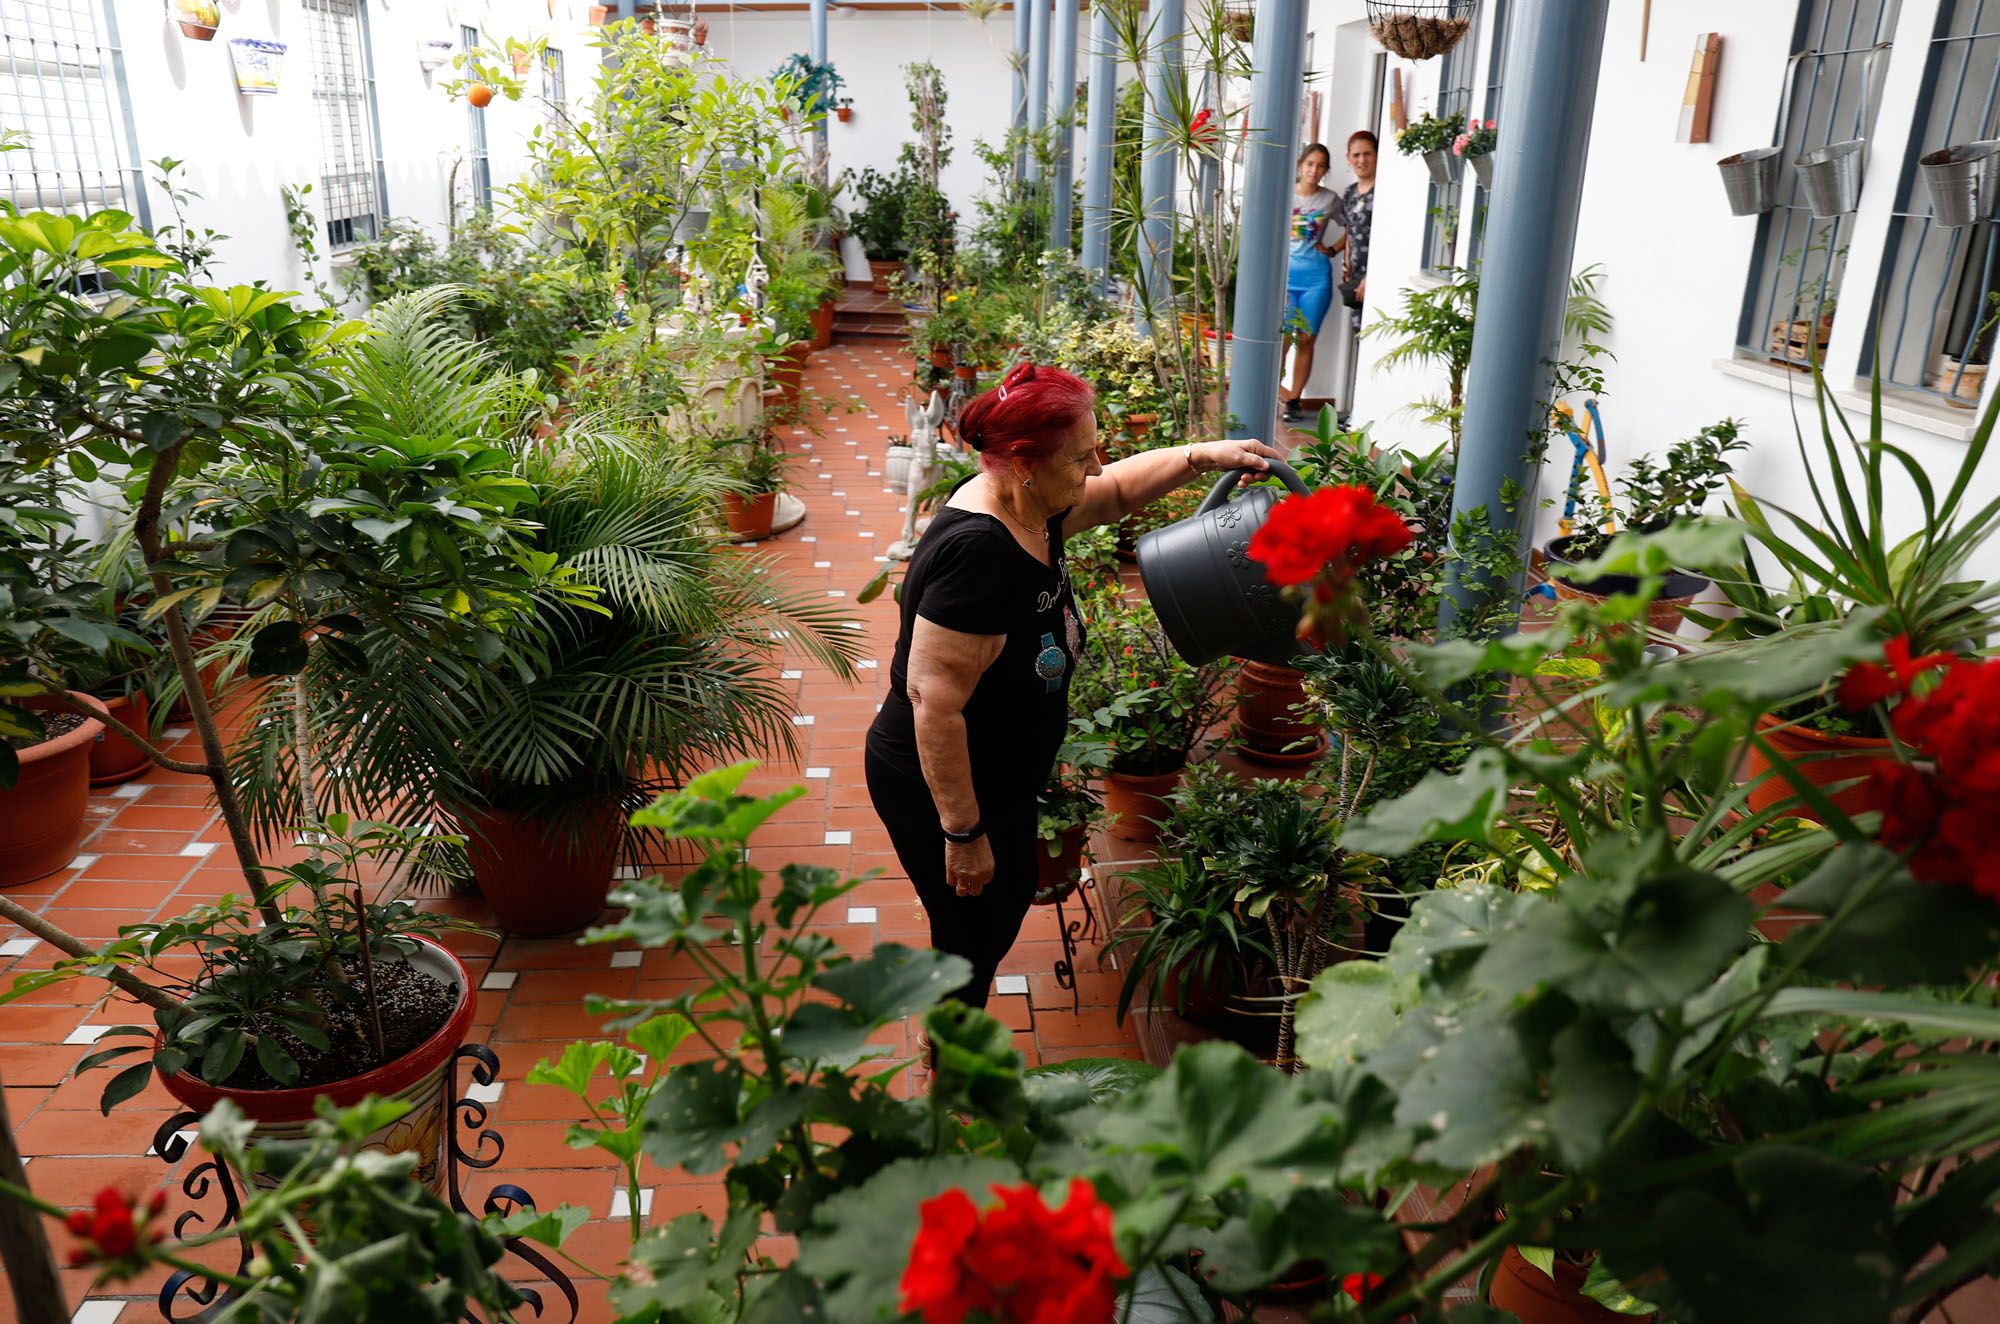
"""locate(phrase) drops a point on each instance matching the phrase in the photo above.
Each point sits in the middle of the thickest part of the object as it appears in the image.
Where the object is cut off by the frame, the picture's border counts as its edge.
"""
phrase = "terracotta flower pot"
(1665, 611)
(42, 817)
(941, 359)
(843, 113)
(881, 271)
(599, 15)
(822, 324)
(787, 370)
(1133, 800)
(965, 372)
(1536, 1298)
(750, 517)
(197, 31)
(1057, 875)
(1137, 426)
(1266, 694)
(113, 758)
(542, 881)
(420, 1076)
(1823, 759)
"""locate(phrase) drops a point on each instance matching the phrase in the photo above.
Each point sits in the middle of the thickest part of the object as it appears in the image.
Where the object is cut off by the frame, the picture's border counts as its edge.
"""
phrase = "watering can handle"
(1219, 494)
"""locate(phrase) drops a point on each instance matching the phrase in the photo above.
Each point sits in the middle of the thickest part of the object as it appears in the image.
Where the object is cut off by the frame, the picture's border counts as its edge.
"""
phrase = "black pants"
(979, 928)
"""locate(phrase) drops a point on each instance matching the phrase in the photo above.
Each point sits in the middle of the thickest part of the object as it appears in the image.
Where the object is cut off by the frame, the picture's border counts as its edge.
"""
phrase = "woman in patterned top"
(1309, 278)
(1357, 217)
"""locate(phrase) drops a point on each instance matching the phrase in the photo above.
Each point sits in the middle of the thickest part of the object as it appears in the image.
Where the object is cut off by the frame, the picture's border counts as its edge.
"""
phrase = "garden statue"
(756, 277)
(923, 467)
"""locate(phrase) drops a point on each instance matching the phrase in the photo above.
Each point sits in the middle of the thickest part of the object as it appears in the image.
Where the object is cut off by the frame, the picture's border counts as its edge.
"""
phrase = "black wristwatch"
(971, 834)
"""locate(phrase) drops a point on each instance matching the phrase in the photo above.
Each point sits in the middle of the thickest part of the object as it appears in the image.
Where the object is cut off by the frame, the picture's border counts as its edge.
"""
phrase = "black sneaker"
(1292, 413)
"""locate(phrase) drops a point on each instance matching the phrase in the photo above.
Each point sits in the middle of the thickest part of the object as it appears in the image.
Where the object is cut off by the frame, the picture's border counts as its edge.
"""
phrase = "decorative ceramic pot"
(1822, 758)
(1534, 1297)
(1267, 696)
(42, 814)
(113, 758)
(542, 880)
(749, 517)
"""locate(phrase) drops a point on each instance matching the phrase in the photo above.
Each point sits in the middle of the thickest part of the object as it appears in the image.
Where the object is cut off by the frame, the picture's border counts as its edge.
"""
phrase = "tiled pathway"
(157, 849)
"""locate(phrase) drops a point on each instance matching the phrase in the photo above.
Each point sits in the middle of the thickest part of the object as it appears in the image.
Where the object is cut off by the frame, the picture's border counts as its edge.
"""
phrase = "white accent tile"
(791, 675)
(808, 538)
(626, 960)
(819, 774)
(85, 1034)
(802, 719)
(621, 1202)
(881, 560)
(199, 849)
(839, 838)
(861, 914)
(187, 1133)
(498, 980)
(867, 533)
(873, 473)
(82, 861)
(805, 445)
(176, 733)
(865, 664)
(827, 476)
(840, 429)
(836, 593)
(98, 1312)
(18, 946)
(838, 494)
(1010, 984)
(486, 1093)
(853, 625)
(129, 791)
(851, 514)
(822, 565)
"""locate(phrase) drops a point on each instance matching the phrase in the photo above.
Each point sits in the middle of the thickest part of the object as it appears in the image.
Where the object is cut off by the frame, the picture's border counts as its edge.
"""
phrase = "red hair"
(1025, 418)
(1362, 135)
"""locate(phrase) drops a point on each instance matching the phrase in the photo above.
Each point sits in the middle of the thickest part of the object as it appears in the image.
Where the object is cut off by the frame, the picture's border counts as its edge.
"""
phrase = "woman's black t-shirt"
(970, 575)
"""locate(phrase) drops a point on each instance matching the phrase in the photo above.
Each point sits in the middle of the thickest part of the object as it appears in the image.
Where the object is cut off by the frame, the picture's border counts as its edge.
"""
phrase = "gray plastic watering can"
(1212, 599)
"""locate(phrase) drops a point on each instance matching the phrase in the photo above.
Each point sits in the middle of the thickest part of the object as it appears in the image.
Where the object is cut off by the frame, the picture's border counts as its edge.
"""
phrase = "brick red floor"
(156, 849)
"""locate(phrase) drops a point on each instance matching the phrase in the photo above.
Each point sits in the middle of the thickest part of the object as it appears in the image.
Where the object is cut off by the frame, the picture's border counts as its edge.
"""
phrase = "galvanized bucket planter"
(1830, 177)
(1211, 598)
(1751, 180)
(1482, 168)
(1438, 162)
(1964, 182)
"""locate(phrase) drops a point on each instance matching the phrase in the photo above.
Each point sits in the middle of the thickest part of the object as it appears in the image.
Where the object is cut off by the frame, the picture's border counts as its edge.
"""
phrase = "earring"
(1027, 482)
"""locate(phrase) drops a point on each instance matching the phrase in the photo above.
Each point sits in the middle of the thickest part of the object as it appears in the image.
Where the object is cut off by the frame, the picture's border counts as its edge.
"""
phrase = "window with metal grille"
(62, 90)
(1939, 289)
(352, 189)
(555, 92)
(1502, 14)
(1837, 65)
(482, 168)
(1441, 216)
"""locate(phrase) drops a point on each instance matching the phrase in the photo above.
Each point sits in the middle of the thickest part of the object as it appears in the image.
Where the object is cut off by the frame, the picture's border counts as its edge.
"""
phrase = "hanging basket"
(1830, 178)
(1420, 29)
(1964, 182)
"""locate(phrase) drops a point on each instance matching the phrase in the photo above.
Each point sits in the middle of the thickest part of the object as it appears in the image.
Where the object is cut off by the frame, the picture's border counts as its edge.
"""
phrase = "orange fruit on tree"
(479, 95)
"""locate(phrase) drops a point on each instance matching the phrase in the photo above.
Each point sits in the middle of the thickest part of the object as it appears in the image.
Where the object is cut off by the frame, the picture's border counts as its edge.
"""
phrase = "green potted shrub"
(1431, 136)
(879, 221)
(756, 470)
(1070, 806)
(1184, 943)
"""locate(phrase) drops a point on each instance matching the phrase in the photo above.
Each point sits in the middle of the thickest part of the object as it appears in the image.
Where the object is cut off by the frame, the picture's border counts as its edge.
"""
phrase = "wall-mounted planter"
(1438, 162)
(1482, 168)
(198, 19)
(1751, 180)
(435, 53)
(258, 63)
(1830, 178)
(1964, 182)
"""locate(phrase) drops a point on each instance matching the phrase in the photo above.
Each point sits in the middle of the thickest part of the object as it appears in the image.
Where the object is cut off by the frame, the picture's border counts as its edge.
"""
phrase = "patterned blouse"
(1357, 216)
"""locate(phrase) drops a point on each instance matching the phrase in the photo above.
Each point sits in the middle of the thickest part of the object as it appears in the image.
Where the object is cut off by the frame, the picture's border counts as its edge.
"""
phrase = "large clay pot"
(1823, 759)
(421, 1077)
(1134, 801)
(1057, 875)
(787, 370)
(1536, 1298)
(1211, 597)
(113, 758)
(1267, 695)
(538, 880)
(822, 324)
(749, 517)
(42, 816)
(1663, 614)
(881, 271)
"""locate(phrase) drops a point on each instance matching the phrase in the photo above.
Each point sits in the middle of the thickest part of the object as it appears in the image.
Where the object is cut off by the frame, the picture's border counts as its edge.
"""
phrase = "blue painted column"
(1257, 353)
(1062, 111)
(1038, 78)
(1525, 266)
(1020, 120)
(818, 11)
(1158, 166)
(1097, 176)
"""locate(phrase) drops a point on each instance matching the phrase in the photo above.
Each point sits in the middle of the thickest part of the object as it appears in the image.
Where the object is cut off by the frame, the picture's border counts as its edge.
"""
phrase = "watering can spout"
(1211, 597)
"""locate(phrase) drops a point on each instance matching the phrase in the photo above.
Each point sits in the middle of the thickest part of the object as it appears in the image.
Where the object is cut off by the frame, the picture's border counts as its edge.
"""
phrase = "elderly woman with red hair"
(978, 692)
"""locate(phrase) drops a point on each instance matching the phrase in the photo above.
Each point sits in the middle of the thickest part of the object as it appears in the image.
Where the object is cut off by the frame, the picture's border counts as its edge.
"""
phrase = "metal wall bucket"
(1964, 182)
(1439, 164)
(1830, 177)
(1482, 166)
(1751, 180)
(1211, 597)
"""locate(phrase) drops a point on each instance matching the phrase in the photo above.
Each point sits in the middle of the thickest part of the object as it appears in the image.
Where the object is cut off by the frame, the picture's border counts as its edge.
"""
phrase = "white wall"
(242, 150)
(1675, 260)
(869, 51)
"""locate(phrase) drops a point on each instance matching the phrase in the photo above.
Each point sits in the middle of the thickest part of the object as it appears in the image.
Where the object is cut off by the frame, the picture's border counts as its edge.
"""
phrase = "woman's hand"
(1214, 456)
(968, 866)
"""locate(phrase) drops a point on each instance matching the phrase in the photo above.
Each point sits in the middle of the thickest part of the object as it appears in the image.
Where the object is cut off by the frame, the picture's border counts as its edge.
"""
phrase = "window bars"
(62, 87)
(1796, 264)
(1502, 16)
(343, 88)
(1939, 288)
(1441, 216)
(482, 167)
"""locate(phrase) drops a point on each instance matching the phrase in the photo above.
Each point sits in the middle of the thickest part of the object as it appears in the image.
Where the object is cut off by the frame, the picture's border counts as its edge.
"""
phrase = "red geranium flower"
(115, 1227)
(1020, 1262)
(1946, 814)
(1334, 530)
(1867, 684)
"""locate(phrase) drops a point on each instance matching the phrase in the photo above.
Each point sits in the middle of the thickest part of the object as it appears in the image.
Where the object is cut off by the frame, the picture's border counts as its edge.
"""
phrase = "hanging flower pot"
(1240, 24)
(845, 110)
(1964, 182)
(1482, 169)
(1419, 29)
(1751, 180)
(198, 18)
(1830, 178)
(1439, 162)
(434, 53)
(258, 63)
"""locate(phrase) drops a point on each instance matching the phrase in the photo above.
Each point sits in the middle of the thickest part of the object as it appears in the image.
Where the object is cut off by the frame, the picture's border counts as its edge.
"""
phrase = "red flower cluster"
(1947, 812)
(1203, 129)
(1867, 684)
(1334, 530)
(114, 1228)
(1019, 1262)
